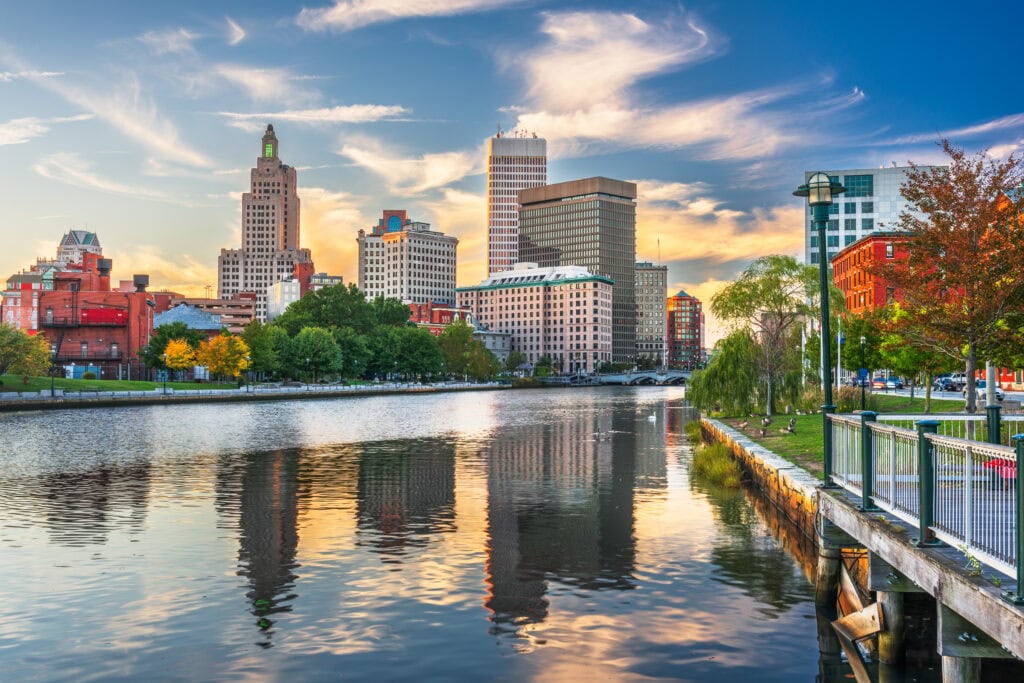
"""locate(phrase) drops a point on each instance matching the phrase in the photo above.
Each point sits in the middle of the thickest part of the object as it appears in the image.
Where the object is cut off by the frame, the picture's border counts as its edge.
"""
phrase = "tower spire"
(269, 148)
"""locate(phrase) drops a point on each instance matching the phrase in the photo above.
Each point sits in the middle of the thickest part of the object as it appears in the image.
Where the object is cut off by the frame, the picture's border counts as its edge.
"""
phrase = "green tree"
(355, 352)
(481, 365)
(262, 354)
(769, 298)
(21, 353)
(328, 308)
(730, 382)
(962, 277)
(514, 360)
(390, 312)
(455, 343)
(152, 353)
(543, 366)
(281, 344)
(417, 354)
(314, 350)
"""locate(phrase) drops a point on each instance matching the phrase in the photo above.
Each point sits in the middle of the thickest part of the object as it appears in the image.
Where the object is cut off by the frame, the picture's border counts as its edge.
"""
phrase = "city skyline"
(137, 123)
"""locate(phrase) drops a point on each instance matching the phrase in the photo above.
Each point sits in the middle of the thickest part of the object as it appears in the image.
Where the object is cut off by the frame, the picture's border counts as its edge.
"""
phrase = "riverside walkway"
(938, 512)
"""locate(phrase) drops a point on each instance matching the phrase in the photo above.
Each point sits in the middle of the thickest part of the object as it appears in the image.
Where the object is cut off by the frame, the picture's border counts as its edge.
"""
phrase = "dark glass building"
(589, 223)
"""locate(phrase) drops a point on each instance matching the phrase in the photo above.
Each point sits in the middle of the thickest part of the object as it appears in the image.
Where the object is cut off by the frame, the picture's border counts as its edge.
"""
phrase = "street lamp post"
(248, 372)
(307, 372)
(164, 357)
(819, 190)
(860, 379)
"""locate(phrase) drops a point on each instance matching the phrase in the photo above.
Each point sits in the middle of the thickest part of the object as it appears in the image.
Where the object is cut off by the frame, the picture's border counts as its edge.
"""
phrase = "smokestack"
(103, 266)
(141, 282)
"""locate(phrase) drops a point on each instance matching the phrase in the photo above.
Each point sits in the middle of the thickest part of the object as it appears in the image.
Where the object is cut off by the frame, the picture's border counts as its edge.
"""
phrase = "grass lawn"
(803, 446)
(15, 383)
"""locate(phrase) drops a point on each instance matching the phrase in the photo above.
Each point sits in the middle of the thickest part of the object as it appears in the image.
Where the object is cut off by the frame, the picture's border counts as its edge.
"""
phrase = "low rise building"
(404, 259)
(854, 270)
(563, 312)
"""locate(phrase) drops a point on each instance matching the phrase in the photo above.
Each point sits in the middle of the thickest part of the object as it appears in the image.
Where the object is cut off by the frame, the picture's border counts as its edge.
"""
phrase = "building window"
(849, 239)
(833, 209)
(867, 223)
(889, 250)
(833, 224)
(867, 207)
(849, 208)
(814, 241)
(814, 257)
(833, 240)
(850, 223)
(860, 185)
(85, 349)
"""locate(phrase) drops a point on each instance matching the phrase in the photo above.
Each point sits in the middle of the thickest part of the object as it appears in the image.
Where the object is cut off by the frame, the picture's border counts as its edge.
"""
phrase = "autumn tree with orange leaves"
(964, 275)
(225, 355)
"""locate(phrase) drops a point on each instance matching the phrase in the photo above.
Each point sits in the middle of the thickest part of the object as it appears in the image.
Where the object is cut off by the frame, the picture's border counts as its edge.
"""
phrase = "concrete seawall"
(789, 487)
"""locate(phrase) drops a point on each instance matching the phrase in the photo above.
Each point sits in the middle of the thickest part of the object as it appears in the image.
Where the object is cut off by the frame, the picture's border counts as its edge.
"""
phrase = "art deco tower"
(270, 231)
(513, 164)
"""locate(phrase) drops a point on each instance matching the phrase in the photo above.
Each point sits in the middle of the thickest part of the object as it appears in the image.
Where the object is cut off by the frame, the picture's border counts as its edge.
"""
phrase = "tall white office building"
(515, 162)
(871, 203)
(404, 259)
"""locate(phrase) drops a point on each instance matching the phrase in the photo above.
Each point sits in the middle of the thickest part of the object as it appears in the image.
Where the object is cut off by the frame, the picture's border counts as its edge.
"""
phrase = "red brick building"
(851, 270)
(685, 331)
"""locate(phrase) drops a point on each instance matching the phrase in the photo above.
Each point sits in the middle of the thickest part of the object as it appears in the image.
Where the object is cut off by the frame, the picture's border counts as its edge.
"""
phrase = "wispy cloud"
(71, 169)
(170, 41)
(18, 131)
(346, 15)
(267, 85)
(412, 174)
(1010, 122)
(355, 113)
(182, 272)
(585, 93)
(236, 34)
(461, 213)
(8, 76)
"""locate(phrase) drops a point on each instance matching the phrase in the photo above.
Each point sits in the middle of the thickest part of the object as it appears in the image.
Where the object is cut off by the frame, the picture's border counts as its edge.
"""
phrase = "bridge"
(645, 377)
(938, 511)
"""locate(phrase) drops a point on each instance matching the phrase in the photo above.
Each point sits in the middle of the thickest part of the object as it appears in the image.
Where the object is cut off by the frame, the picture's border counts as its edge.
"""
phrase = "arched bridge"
(646, 377)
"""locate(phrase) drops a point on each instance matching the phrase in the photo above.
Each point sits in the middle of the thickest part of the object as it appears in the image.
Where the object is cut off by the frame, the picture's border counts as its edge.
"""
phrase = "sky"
(140, 121)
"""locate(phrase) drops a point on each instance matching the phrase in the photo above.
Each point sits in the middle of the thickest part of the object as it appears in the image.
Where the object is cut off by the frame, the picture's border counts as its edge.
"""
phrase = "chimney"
(141, 282)
(103, 267)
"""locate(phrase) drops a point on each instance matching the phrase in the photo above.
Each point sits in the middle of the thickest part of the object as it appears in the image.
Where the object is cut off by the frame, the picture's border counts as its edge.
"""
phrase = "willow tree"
(770, 299)
(962, 278)
(730, 381)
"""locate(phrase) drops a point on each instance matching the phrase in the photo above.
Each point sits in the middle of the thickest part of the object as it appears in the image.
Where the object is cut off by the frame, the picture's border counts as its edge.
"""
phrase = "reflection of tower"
(267, 518)
(406, 493)
(560, 507)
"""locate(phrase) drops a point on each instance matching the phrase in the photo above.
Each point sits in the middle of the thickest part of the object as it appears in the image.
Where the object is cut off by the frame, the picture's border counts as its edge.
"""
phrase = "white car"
(980, 387)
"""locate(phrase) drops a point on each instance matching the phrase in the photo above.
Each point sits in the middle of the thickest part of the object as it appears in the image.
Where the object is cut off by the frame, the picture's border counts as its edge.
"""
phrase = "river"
(548, 535)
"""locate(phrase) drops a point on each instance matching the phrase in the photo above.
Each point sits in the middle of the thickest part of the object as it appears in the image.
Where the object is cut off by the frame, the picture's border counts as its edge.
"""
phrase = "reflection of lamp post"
(164, 357)
(819, 191)
(248, 368)
(860, 379)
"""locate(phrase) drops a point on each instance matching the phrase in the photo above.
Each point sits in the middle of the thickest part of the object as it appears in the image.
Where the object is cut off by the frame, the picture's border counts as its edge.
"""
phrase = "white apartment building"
(280, 296)
(404, 259)
(871, 203)
(564, 312)
(515, 162)
(651, 287)
(270, 231)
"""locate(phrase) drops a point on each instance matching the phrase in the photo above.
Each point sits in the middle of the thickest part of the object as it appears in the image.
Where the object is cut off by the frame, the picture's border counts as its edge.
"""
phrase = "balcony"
(67, 356)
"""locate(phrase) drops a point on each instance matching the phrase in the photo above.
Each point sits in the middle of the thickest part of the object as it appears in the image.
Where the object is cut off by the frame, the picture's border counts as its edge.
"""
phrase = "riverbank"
(32, 401)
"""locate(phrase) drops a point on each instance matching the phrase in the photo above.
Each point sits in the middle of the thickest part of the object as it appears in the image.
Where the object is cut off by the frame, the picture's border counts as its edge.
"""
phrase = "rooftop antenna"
(499, 131)
(208, 289)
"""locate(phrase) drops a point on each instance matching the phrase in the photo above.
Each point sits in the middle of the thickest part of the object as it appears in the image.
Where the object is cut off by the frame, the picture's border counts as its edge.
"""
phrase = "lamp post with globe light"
(860, 379)
(820, 190)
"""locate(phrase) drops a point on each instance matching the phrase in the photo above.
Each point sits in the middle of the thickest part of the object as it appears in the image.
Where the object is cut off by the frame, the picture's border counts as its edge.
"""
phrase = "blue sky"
(140, 122)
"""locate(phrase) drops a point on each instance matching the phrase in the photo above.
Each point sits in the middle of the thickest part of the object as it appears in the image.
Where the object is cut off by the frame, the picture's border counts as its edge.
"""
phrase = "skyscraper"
(405, 259)
(513, 164)
(651, 311)
(589, 223)
(270, 231)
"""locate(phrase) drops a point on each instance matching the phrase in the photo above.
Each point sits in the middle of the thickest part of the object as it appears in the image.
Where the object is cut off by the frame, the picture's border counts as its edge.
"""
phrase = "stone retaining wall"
(789, 487)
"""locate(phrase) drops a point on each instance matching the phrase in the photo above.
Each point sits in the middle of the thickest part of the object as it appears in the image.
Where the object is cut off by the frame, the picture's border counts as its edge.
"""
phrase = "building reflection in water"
(266, 490)
(406, 494)
(560, 509)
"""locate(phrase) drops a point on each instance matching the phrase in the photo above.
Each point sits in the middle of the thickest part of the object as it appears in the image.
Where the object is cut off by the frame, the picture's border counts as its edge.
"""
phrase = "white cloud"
(170, 41)
(416, 174)
(71, 169)
(355, 113)
(266, 85)
(236, 34)
(346, 15)
(464, 215)
(1004, 123)
(8, 76)
(18, 131)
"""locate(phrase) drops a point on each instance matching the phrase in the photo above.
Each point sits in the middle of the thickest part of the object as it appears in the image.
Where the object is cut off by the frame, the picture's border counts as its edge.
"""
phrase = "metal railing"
(973, 427)
(959, 491)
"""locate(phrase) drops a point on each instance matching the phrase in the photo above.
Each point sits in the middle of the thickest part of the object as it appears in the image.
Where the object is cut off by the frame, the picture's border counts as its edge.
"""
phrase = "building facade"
(76, 243)
(404, 259)
(651, 312)
(234, 313)
(871, 203)
(270, 247)
(685, 332)
(564, 312)
(514, 163)
(589, 223)
(862, 290)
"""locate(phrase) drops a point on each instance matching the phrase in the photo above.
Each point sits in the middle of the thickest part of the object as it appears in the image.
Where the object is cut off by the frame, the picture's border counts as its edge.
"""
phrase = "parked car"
(894, 383)
(878, 383)
(959, 381)
(1001, 472)
(944, 384)
(854, 382)
(981, 388)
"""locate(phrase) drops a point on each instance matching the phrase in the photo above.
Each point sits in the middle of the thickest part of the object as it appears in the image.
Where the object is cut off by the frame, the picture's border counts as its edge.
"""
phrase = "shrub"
(692, 430)
(715, 463)
(526, 382)
(89, 375)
